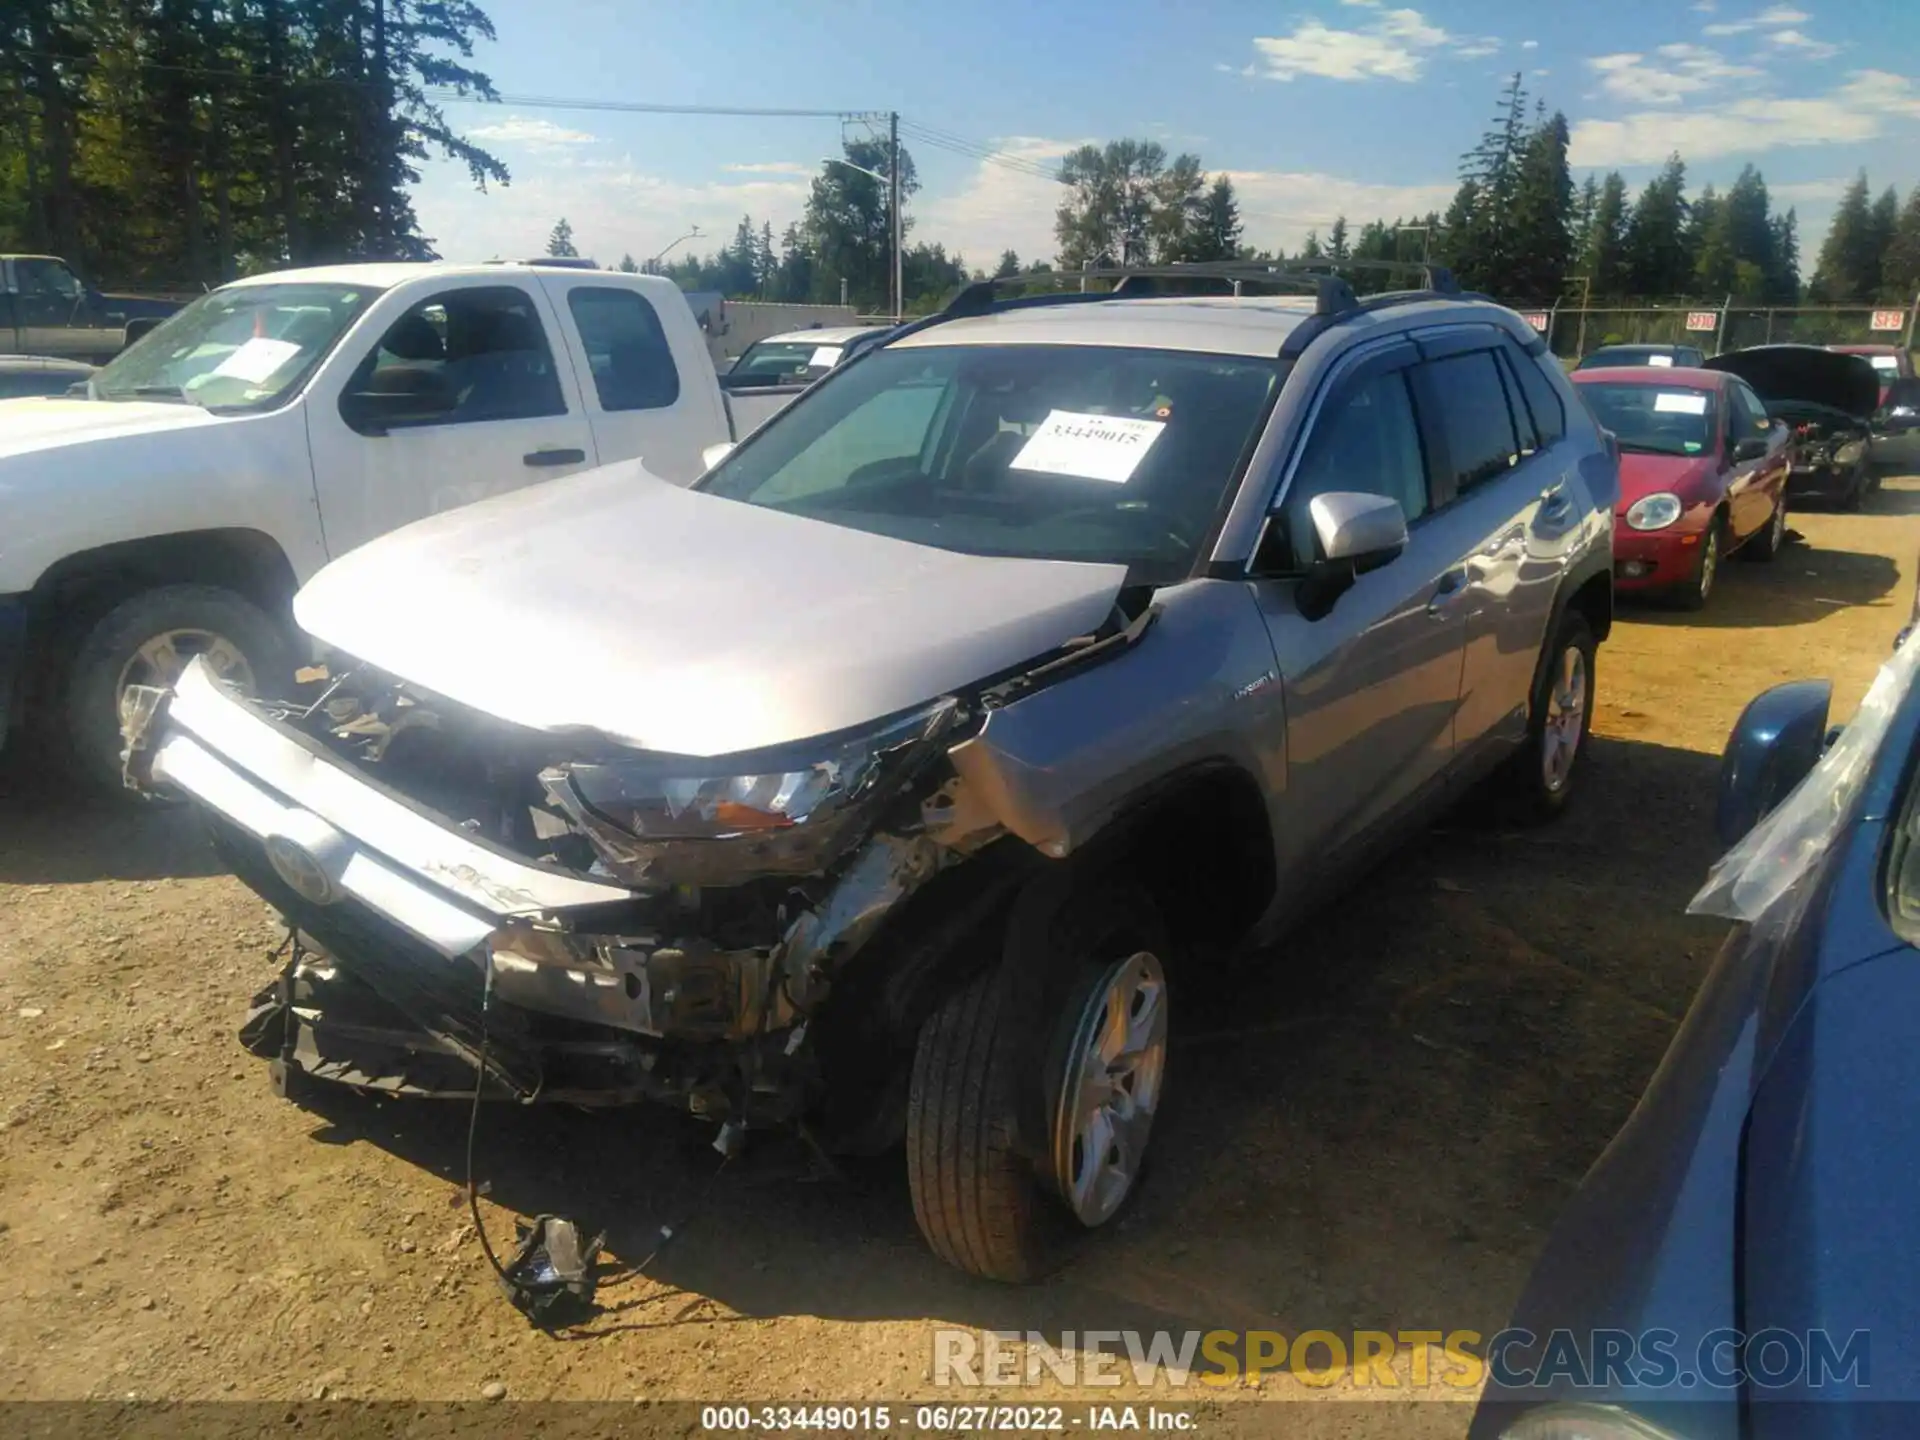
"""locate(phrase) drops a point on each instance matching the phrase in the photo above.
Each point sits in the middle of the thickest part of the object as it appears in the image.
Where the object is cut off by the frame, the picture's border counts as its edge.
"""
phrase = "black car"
(1828, 400)
(1686, 356)
(24, 376)
(1741, 1262)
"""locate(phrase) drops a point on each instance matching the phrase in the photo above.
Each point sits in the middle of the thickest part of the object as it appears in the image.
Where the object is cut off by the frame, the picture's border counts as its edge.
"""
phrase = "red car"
(1703, 473)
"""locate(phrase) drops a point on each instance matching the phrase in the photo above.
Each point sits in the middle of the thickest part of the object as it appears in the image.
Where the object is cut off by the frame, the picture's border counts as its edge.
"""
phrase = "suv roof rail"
(1333, 295)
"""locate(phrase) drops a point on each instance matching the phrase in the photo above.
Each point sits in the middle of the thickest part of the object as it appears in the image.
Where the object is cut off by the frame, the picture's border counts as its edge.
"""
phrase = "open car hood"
(671, 620)
(1805, 374)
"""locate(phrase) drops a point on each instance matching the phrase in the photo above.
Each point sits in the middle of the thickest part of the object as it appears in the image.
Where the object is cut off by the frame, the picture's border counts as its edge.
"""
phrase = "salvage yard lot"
(1373, 1132)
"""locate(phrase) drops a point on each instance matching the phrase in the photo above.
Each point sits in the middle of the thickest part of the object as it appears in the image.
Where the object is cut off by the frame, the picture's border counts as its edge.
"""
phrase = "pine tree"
(1540, 243)
(628, 265)
(1337, 239)
(1900, 264)
(1602, 262)
(1709, 247)
(1217, 236)
(1848, 272)
(1783, 281)
(1460, 236)
(1656, 252)
(560, 241)
(1009, 265)
(1311, 249)
(1886, 224)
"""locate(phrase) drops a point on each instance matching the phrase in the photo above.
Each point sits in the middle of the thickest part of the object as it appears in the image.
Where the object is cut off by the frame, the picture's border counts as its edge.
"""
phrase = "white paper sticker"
(1669, 402)
(1095, 447)
(257, 359)
(825, 358)
(1664, 361)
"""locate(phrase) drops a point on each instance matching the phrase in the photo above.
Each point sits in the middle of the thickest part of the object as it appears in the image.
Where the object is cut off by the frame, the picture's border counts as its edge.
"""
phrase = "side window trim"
(1348, 371)
(1526, 434)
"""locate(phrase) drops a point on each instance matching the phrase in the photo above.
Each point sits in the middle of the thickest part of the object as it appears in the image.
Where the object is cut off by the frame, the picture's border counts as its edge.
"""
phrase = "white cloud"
(1529, 44)
(1279, 207)
(1856, 111)
(1773, 15)
(1393, 45)
(1682, 70)
(1807, 47)
(1543, 72)
(1797, 192)
(1705, 7)
(530, 131)
(999, 208)
(614, 207)
(772, 167)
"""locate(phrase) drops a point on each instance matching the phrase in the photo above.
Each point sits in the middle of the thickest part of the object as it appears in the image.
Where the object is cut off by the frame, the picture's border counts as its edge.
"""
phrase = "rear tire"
(131, 645)
(1540, 780)
(989, 1070)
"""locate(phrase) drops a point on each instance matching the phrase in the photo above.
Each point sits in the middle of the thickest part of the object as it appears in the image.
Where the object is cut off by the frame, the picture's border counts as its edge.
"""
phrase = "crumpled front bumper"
(332, 835)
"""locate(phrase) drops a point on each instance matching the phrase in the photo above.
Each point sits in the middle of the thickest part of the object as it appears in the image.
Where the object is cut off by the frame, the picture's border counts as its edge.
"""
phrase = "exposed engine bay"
(727, 899)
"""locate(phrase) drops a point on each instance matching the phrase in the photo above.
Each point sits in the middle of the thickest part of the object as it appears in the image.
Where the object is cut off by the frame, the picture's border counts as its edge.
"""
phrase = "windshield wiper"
(1650, 450)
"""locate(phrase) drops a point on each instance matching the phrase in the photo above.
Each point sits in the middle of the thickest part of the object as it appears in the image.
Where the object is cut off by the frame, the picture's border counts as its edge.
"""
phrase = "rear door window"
(1471, 419)
(1542, 402)
(626, 347)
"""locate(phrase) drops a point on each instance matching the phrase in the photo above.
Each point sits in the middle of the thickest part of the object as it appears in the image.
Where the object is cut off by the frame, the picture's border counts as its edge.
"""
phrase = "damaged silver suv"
(893, 779)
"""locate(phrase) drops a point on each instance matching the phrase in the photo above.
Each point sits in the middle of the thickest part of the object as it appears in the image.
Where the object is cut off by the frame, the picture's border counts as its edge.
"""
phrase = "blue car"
(1743, 1262)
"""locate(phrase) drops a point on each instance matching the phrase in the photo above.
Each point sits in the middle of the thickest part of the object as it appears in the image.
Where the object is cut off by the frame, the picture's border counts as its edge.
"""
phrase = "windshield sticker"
(1665, 361)
(1692, 447)
(1095, 447)
(825, 358)
(1886, 363)
(1673, 403)
(257, 359)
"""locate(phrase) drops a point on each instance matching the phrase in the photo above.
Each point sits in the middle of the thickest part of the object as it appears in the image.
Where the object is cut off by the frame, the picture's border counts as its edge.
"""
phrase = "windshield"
(239, 349)
(1653, 419)
(1049, 452)
(783, 362)
(1637, 355)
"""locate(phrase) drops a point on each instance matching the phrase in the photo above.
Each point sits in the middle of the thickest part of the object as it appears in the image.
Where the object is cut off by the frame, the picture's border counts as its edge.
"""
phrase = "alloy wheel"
(164, 658)
(1566, 720)
(1115, 1065)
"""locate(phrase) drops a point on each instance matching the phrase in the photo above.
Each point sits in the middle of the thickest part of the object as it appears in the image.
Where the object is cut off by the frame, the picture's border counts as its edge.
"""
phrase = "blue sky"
(1316, 107)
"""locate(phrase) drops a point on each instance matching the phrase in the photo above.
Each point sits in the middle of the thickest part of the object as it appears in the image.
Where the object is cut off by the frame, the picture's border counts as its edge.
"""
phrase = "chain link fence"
(1576, 330)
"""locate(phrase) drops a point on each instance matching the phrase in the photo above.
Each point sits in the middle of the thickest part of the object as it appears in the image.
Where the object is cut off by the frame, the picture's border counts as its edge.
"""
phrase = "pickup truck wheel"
(1035, 1087)
(149, 640)
(1540, 778)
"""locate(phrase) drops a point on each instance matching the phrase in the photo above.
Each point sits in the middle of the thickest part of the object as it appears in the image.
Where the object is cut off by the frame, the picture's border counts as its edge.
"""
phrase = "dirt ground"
(1376, 1136)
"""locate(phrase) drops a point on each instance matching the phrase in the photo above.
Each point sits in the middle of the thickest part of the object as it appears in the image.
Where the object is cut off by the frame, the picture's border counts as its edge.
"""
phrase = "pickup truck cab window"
(250, 347)
(458, 358)
(44, 278)
(626, 347)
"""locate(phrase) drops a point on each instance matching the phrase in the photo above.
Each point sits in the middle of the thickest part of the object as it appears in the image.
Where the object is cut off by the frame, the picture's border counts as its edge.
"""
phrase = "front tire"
(1767, 544)
(149, 640)
(1034, 1087)
(1698, 590)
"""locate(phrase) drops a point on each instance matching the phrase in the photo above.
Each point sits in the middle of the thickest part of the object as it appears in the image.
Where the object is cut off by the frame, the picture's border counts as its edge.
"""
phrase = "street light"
(693, 234)
(892, 182)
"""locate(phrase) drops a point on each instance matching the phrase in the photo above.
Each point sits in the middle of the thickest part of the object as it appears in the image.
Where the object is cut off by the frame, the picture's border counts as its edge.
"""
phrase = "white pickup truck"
(279, 422)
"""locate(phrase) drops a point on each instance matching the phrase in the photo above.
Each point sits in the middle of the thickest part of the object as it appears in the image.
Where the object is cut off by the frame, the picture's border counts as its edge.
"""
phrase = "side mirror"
(1779, 737)
(1358, 529)
(1355, 532)
(714, 454)
(375, 412)
(1754, 447)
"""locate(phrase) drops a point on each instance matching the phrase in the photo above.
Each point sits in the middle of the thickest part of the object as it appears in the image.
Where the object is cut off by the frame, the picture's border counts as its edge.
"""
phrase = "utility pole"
(893, 210)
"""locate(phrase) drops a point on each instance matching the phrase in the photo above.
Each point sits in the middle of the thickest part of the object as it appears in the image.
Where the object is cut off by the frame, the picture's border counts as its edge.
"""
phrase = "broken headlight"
(784, 811)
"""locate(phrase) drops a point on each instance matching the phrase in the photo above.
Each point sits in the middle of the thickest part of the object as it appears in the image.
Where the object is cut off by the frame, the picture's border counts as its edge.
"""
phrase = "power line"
(641, 107)
(958, 145)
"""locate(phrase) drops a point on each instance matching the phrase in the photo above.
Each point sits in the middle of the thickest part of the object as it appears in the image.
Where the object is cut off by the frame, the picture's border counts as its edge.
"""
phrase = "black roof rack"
(1333, 296)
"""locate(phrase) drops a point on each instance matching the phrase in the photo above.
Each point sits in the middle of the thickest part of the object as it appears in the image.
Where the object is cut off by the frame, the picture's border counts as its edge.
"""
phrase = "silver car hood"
(679, 622)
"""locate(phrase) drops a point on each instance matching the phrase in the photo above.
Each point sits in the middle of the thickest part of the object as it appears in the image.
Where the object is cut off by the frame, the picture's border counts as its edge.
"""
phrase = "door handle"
(1452, 586)
(555, 457)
